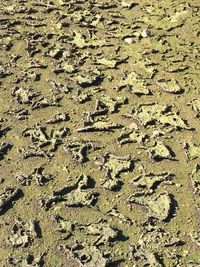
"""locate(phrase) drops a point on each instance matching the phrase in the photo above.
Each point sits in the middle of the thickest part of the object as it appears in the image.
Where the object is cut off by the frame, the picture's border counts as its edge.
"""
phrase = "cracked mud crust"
(99, 129)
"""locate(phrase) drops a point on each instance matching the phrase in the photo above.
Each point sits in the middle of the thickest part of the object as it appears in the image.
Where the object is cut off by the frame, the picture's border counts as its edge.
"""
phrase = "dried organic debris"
(24, 95)
(195, 104)
(151, 180)
(23, 234)
(58, 117)
(90, 255)
(195, 176)
(32, 151)
(122, 218)
(59, 87)
(195, 237)
(38, 175)
(154, 245)
(77, 195)
(170, 86)
(159, 206)
(132, 136)
(43, 102)
(192, 150)
(80, 149)
(114, 166)
(107, 105)
(152, 113)
(101, 230)
(19, 114)
(104, 232)
(91, 77)
(99, 126)
(160, 151)
(4, 148)
(42, 139)
(64, 226)
(136, 84)
(7, 196)
(28, 260)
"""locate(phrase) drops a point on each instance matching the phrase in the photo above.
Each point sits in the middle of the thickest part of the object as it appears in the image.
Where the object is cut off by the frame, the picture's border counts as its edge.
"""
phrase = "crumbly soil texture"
(99, 133)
